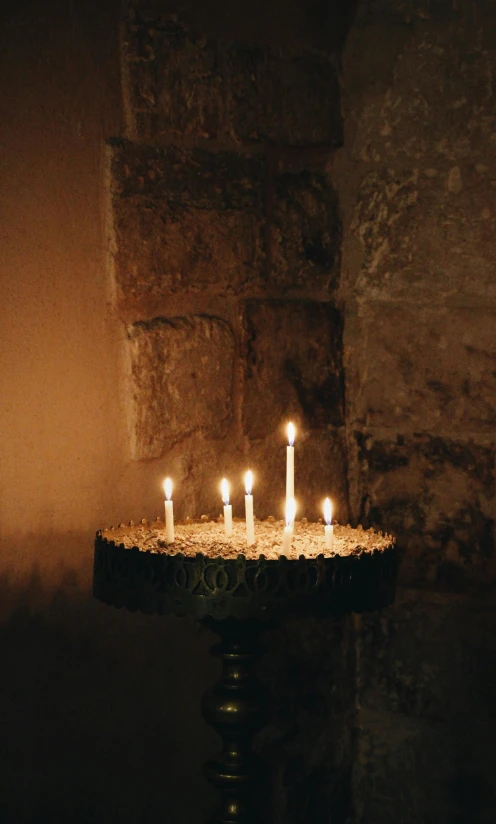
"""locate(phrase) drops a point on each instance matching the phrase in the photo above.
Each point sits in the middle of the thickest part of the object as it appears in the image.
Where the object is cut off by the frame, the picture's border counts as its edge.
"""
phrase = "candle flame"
(249, 482)
(225, 491)
(290, 511)
(328, 511)
(291, 434)
(168, 488)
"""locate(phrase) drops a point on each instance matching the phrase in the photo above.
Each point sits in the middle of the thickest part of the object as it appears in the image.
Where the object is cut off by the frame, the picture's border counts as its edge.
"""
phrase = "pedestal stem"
(237, 708)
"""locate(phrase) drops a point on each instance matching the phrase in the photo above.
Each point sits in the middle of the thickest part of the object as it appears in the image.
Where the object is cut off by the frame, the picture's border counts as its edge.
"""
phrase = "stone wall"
(226, 243)
(417, 187)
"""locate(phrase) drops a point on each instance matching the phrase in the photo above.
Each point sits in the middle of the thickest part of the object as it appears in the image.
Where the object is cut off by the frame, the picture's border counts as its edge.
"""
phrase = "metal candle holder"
(238, 599)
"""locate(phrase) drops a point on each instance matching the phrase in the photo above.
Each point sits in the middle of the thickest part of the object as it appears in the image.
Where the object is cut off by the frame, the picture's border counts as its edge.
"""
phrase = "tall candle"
(250, 525)
(290, 463)
(288, 529)
(227, 508)
(329, 529)
(169, 512)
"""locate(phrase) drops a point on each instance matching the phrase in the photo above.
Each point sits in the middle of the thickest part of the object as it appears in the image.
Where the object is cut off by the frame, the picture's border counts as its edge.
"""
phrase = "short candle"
(250, 525)
(329, 529)
(169, 512)
(290, 463)
(227, 508)
(288, 529)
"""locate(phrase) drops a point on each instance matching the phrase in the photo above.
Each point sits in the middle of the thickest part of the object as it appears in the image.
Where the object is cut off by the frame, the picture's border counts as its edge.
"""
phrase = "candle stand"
(238, 599)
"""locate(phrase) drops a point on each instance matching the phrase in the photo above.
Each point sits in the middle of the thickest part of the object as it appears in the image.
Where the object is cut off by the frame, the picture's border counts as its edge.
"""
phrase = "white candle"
(169, 512)
(288, 529)
(290, 463)
(250, 525)
(286, 541)
(227, 508)
(329, 529)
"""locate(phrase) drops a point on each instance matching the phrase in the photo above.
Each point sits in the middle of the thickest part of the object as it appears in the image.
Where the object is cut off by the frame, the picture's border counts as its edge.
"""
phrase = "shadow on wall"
(100, 709)
(99, 712)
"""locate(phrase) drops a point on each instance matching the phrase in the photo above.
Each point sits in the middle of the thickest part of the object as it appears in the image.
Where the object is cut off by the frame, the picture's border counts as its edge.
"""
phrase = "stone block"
(427, 234)
(437, 496)
(175, 85)
(425, 213)
(409, 771)
(187, 221)
(305, 234)
(433, 658)
(421, 369)
(181, 376)
(437, 105)
(292, 354)
(183, 83)
(284, 98)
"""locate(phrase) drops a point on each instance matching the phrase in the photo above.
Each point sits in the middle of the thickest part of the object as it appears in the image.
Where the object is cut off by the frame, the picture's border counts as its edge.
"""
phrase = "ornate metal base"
(237, 707)
(237, 599)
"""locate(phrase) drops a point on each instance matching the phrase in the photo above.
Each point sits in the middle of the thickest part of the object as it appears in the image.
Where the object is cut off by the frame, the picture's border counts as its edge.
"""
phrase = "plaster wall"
(60, 422)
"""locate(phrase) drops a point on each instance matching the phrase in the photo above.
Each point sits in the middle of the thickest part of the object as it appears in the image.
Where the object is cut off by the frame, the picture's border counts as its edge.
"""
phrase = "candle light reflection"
(168, 488)
(328, 511)
(248, 482)
(291, 434)
(225, 491)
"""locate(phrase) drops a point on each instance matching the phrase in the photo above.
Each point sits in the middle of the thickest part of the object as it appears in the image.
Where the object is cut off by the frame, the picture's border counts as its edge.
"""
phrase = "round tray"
(219, 588)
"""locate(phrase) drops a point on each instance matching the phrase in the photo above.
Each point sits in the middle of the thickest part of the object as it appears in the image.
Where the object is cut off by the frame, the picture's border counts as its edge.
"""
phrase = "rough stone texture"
(305, 234)
(418, 261)
(187, 221)
(417, 187)
(418, 256)
(437, 496)
(427, 230)
(217, 223)
(175, 81)
(175, 362)
(263, 85)
(185, 84)
(440, 365)
(292, 358)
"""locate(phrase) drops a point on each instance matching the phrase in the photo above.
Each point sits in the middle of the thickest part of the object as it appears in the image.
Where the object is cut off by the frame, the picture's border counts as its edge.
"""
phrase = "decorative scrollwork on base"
(239, 588)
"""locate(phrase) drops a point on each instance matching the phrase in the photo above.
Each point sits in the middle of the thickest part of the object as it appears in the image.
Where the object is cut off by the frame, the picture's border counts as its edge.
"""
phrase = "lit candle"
(288, 529)
(250, 526)
(290, 463)
(329, 529)
(169, 512)
(227, 508)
